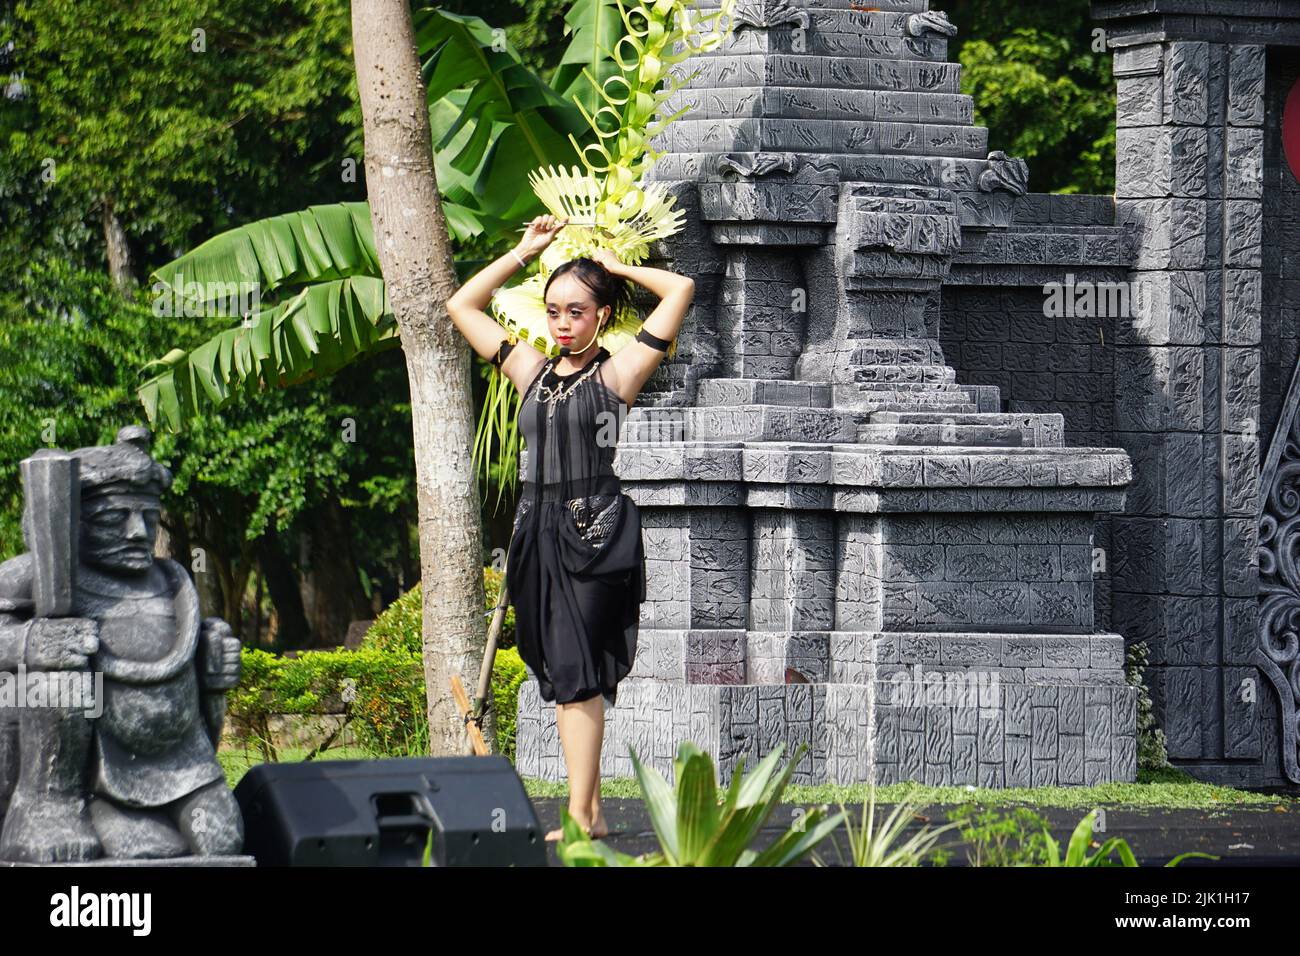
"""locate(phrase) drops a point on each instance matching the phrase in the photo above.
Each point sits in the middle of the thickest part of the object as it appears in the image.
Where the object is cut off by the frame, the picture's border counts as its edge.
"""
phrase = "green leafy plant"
(493, 118)
(1081, 840)
(1023, 838)
(696, 827)
(368, 687)
(1152, 752)
(881, 844)
(1046, 96)
(322, 303)
(993, 838)
(379, 687)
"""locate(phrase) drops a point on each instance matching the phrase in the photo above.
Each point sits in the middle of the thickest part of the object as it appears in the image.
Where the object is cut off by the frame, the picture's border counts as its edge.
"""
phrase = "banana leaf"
(316, 332)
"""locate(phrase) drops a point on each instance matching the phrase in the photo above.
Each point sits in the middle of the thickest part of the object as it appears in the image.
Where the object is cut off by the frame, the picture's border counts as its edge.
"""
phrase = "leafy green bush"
(1019, 837)
(400, 625)
(379, 687)
(507, 674)
(374, 688)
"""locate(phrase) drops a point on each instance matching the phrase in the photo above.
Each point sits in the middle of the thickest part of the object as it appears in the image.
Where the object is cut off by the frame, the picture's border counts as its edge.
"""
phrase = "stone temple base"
(991, 710)
(181, 861)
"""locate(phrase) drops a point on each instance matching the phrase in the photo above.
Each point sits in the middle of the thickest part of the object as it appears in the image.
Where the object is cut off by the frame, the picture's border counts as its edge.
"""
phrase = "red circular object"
(1291, 130)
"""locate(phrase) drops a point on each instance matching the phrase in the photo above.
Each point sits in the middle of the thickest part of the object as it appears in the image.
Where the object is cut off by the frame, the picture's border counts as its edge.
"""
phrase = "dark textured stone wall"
(1281, 318)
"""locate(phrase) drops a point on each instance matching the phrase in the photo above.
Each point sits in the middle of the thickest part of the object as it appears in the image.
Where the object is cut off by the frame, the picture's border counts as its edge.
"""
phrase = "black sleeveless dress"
(576, 566)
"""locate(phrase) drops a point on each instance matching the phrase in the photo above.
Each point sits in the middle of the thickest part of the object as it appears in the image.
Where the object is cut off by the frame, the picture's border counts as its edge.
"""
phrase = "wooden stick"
(473, 715)
(471, 725)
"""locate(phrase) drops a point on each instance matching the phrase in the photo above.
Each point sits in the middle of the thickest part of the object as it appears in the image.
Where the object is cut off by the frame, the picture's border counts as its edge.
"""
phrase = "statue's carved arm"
(11, 640)
(220, 667)
(63, 643)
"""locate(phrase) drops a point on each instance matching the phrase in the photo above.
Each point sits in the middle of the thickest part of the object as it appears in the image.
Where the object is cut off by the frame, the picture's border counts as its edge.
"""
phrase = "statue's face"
(118, 532)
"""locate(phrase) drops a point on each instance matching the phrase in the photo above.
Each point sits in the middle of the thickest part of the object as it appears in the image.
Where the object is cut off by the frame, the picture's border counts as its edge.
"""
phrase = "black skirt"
(576, 576)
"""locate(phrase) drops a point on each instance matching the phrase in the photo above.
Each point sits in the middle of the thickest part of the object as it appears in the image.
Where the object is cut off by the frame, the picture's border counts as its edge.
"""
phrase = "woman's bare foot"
(599, 828)
(582, 822)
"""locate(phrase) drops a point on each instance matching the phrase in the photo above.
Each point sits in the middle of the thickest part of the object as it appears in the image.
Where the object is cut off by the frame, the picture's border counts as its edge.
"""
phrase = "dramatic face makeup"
(571, 311)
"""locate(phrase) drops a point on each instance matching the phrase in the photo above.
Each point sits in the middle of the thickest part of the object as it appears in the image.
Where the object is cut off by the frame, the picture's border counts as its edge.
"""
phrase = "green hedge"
(380, 686)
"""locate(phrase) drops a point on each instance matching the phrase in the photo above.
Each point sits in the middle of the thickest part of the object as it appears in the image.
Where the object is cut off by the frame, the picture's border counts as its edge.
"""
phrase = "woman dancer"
(575, 571)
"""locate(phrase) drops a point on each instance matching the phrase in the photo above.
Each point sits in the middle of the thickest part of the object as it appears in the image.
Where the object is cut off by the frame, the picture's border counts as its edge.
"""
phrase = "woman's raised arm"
(467, 306)
(633, 364)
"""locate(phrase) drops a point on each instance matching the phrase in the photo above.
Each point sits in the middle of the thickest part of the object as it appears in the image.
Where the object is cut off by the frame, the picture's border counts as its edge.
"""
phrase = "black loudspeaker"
(381, 812)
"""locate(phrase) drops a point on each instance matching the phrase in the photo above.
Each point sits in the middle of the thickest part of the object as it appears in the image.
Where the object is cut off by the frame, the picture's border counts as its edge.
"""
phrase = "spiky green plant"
(881, 845)
(696, 828)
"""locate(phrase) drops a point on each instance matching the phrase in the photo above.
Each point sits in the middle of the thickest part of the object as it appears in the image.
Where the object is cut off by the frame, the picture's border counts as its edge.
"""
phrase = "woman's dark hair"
(605, 287)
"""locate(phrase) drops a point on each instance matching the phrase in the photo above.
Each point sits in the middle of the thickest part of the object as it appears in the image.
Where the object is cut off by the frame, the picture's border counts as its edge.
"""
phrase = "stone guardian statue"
(131, 773)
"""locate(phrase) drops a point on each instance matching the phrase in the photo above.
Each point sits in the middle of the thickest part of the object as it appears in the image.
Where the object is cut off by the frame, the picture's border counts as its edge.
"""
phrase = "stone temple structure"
(898, 505)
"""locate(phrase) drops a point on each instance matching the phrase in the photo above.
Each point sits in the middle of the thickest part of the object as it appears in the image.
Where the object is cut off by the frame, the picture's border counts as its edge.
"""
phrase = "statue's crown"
(122, 467)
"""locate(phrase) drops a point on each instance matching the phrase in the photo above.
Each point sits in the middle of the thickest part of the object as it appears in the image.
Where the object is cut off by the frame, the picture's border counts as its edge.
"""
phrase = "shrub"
(507, 674)
(373, 687)
(698, 826)
(379, 687)
(402, 621)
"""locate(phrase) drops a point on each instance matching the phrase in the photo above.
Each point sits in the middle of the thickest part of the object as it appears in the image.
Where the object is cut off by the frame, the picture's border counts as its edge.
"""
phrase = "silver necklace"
(551, 397)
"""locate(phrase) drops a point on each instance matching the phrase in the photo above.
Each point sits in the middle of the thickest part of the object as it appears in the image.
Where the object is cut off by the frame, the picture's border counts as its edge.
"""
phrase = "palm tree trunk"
(415, 257)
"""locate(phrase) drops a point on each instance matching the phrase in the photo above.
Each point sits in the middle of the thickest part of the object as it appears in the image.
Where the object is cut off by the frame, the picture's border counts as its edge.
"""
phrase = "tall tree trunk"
(410, 570)
(119, 253)
(291, 629)
(332, 594)
(415, 256)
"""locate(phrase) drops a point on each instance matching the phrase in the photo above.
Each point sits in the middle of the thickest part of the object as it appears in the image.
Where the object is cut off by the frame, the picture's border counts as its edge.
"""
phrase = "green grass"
(236, 763)
(1167, 789)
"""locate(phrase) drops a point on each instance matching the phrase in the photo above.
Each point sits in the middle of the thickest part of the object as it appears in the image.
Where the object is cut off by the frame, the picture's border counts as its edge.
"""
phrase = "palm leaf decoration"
(610, 210)
(608, 206)
(521, 308)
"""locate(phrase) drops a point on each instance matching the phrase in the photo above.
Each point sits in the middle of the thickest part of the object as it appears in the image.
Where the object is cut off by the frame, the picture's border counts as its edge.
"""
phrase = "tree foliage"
(188, 116)
(1041, 79)
(72, 349)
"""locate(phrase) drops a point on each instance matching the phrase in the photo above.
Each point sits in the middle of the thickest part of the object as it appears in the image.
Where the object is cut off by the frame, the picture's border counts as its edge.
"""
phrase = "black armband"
(503, 352)
(653, 340)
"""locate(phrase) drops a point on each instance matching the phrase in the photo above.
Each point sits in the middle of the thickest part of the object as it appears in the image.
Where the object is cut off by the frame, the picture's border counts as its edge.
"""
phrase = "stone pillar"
(1187, 379)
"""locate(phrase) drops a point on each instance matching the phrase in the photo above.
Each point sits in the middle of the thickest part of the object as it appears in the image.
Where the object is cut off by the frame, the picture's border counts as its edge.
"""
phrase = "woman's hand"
(611, 262)
(539, 234)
